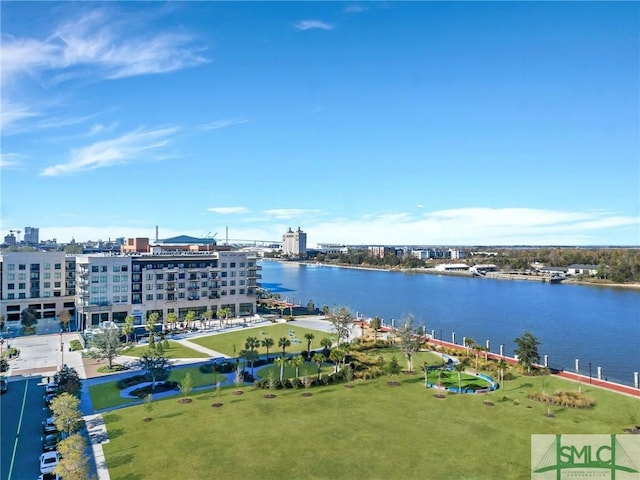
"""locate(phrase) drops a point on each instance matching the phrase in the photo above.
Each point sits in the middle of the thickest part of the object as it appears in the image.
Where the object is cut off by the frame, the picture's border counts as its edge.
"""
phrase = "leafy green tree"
(267, 343)
(409, 342)
(65, 317)
(341, 319)
(336, 356)
(74, 463)
(284, 343)
(1, 322)
(105, 345)
(172, 319)
(28, 318)
(376, 325)
(206, 316)
(66, 413)
(527, 350)
(128, 328)
(325, 310)
(310, 306)
(155, 364)
(309, 338)
(186, 385)
(68, 380)
(394, 366)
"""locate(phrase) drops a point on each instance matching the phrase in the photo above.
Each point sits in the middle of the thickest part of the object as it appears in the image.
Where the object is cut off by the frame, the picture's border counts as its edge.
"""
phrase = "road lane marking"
(15, 444)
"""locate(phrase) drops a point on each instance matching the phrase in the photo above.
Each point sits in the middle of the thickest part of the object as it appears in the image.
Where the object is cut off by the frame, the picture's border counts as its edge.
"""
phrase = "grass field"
(175, 350)
(225, 343)
(372, 431)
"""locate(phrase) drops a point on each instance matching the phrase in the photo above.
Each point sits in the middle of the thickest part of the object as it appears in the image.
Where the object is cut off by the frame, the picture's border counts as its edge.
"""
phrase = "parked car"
(49, 398)
(51, 388)
(48, 461)
(51, 440)
(48, 426)
(49, 476)
(4, 385)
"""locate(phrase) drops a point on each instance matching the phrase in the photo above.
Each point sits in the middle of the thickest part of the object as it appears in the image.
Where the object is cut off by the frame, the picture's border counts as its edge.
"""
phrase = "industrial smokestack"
(156, 233)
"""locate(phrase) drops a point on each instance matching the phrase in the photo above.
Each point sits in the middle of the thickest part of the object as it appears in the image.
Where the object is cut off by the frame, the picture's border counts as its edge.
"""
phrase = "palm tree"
(207, 315)
(284, 342)
(309, 338)
(501, 366)
(469, 343)
(127, 328)
(326, 343)
(376, 323)
(189, 317)
(251, 356)
(336, 355)
(296, 362)
(150, 326)
(318, 359)
(251, 343)
(281, 362)
(478, 349)
(267, 343)
(459, 368)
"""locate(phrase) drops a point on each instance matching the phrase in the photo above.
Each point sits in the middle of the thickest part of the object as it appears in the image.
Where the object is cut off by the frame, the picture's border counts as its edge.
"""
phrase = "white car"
(49, 476)
(48, 461)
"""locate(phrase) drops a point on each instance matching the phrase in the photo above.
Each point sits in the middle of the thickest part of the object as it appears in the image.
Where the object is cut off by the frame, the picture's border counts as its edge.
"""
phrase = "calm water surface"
(593, 324)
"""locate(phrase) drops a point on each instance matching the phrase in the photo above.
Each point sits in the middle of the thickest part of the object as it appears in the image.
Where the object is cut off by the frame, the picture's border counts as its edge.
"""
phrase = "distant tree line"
(616, 265)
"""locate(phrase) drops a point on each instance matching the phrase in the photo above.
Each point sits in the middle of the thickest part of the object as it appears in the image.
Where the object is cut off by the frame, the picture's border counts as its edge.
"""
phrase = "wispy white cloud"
(228, 210)
(101, 43)
(312, 24)
(100, 128)
(290, 213)
(223, 123)
(9, 160)
(12, 113)
(126, 148)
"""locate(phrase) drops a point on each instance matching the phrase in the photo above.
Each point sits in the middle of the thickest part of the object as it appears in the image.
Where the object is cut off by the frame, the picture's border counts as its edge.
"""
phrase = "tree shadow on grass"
(120, 460)
(114, 433)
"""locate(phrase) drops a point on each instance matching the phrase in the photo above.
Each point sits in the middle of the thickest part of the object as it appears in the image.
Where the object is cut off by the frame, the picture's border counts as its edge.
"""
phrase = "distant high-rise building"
(10, 239)
(31, 235)
(294, 243)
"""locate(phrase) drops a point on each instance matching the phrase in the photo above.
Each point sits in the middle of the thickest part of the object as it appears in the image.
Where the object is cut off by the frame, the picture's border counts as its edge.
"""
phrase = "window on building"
(160, 296)
(11, 286)
(58, 266)
(22, 276)
(95, 289)
(57, 284)
(124, 278)
(116, 268)
(103, 268)
(116, 289)
(11, 266)
(159, 286)
(232, 265)
(22, 266)
(149, 286)
(242, 291)
(57, 275)
(232, 283)
(103, 279)
(10, 296)
(159, 276)
(149, 296)
(46, 266)
(11, 277)
(95, 279)
(46, 284)
(232, 291)
(123, 299)
(181, 295)
(22, 286)
(223, 265)
(95, 268)
(149, 277)
(22, 295)
(46, 293)
(124, 288)
(125, 268)
(47, 275)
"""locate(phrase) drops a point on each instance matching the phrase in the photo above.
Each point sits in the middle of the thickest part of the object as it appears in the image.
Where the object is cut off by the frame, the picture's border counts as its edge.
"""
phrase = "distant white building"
(579, 269)
(294, 243)
(452, 267)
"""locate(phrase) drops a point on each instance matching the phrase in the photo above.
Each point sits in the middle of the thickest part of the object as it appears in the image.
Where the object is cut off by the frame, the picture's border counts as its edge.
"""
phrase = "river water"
(596, 325)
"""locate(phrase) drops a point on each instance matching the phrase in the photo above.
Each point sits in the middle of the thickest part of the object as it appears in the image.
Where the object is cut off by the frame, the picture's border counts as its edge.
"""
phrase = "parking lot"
(22, 406)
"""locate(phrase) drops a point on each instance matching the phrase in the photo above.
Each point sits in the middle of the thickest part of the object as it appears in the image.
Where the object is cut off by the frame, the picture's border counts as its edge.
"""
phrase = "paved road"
(21, 415)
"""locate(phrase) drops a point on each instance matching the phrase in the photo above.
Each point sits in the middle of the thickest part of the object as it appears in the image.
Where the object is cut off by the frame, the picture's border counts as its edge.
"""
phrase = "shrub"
(207, 368)
(131, 381)
(142, 392)
(565, 399)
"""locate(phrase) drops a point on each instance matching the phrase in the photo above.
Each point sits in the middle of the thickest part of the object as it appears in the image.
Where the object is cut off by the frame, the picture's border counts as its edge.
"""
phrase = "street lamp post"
(1, 343)
(61, 351)
(441, 346)
(589, 372)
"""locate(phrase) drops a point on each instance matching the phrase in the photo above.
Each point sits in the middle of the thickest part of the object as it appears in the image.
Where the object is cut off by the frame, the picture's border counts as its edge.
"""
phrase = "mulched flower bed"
(185, 400)
(307, 394)
(237, 392)
(393, 384)
(439, 395)
(269, 395)
(488, 403)
(348, 386)
(147, 419)
(216, 405)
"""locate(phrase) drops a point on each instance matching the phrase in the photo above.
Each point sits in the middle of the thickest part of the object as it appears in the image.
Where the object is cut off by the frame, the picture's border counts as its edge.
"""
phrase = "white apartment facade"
(110, 287)
(41, 281)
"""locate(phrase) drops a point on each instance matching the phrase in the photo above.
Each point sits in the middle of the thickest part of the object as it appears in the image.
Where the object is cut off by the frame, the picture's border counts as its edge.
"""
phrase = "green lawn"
(175, 350)
(372, 431)
(225, 343)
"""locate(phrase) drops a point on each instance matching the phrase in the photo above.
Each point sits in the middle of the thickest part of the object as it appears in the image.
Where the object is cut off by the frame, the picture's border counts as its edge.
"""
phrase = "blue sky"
(379, 123)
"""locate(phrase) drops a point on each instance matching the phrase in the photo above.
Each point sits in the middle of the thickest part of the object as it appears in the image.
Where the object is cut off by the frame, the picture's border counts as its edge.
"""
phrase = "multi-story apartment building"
(110, 287)
(41, 281)
(294, 243)
(107, 286)
(31, 236)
